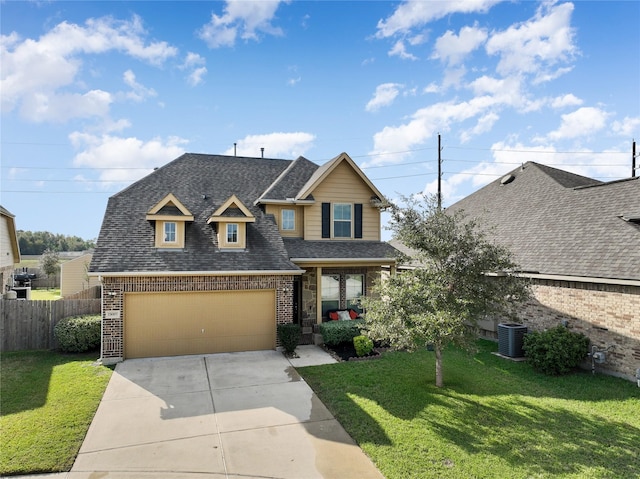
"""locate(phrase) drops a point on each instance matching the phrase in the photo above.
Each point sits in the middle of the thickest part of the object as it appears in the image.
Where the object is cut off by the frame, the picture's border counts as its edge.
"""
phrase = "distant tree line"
(38, 242)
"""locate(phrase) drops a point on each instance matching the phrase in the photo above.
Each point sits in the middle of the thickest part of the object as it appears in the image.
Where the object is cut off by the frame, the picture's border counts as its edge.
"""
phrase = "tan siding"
(179, 235)
(171, 324)
(7, 257)
(343, 185)
(276, 211)
(73, 276)
(222, 236)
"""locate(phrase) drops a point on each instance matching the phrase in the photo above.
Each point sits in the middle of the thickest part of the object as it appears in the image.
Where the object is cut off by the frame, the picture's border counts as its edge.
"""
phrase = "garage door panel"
(169, 324)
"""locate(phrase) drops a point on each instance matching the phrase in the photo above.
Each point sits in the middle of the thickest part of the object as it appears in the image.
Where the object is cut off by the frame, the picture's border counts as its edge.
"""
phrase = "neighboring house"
(9, 249)
(208, 253)
(578, 240)
(74, 275)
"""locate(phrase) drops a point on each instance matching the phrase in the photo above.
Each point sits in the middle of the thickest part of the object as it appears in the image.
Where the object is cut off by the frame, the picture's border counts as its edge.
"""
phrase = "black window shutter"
(357, 232)
(326, 220)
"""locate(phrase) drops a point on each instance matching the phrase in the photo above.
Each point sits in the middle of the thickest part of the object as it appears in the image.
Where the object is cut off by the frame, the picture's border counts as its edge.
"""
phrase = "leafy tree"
(461, 277)
(49, 262)
(35, 243)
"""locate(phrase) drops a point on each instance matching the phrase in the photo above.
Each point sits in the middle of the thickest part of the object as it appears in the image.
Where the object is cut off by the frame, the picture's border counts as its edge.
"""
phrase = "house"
(578, 241)
(208, 253)
(9, 249)
(74, 275)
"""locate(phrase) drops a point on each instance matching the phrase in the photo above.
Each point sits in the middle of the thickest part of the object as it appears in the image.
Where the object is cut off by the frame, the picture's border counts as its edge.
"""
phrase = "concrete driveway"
(234, 415)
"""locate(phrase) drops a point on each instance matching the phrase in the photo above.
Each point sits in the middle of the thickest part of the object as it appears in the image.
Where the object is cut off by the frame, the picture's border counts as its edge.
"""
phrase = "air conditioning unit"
(511, 339)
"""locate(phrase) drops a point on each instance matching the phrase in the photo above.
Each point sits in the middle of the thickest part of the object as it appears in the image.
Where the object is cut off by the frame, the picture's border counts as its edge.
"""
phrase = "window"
(232, 233)
(354, 291)
(170, 232)
(330, 292)
(288, 220)
(341, 220)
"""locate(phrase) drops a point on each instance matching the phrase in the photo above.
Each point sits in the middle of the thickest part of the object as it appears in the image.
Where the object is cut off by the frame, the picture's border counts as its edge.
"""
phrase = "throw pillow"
(344, 316)
(353, 314)
(333, 316)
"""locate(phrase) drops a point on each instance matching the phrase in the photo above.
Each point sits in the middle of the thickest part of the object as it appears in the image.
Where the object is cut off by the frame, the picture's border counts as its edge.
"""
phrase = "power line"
(76, 168)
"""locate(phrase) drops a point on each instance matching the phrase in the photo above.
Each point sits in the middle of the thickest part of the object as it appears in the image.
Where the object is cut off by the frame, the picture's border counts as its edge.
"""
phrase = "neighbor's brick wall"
(608, 314)
(114, 288)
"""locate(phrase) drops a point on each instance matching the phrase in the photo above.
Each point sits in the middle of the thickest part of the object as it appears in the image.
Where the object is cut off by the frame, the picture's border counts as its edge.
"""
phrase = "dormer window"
(288, 220)
(231, 220)
(169, 232)
(170, 217)
(232, 233)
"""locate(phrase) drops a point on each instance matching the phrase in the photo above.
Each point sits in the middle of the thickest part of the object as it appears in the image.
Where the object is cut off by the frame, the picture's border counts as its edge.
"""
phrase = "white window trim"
(237, 231)
(175, 232)
(293, 226)
(333, 220)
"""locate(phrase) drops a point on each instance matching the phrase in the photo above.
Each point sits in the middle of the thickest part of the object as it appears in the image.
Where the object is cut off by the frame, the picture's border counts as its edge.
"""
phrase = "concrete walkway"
(232, 415)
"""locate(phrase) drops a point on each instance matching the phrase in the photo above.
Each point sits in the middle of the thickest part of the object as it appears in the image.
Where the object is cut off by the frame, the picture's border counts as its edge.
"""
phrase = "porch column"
(319, 295)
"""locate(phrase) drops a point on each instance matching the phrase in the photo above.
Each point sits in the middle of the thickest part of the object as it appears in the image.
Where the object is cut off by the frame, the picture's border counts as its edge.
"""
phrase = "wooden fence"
(95, 292)
(26, 325)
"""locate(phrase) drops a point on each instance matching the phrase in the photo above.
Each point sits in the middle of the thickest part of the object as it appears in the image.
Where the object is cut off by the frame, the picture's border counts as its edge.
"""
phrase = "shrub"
(289, 335)
(77, 334)
(336, 332)
(555, 351)
(363, 345)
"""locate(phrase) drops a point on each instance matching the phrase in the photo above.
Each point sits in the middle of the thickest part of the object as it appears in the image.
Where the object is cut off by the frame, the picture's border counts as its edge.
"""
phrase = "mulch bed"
(347, 352)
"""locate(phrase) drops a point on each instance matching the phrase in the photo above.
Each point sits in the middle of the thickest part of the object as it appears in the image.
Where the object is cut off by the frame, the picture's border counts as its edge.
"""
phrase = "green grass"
(47, 402)
(493, 419)
(48, 294)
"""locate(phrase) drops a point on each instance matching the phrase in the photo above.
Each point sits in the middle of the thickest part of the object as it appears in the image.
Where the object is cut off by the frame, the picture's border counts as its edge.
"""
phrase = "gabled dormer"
(231, 224)
(170, 217)
(346, 204)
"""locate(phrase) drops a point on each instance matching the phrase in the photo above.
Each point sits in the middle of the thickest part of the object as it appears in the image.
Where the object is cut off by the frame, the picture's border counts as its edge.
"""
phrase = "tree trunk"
(438, 350)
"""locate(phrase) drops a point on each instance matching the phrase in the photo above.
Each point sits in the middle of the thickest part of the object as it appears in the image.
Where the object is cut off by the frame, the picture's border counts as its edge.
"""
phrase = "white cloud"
(195, 63)
(417, 13)
(628, 127)
(195, 77)
(536, 46)
(276, 145)
(583, 122)
(138, 91)
(120, 154)
(424, 124)
(384, 96)
(452, 48)
(485, 123)
(193, 60)
(240, 19)
(399, 50)
(33, 71)
(61, 107)
(565, 100)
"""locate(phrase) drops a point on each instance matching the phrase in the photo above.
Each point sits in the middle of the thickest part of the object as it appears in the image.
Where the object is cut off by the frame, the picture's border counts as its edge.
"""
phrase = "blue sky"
(94, 95)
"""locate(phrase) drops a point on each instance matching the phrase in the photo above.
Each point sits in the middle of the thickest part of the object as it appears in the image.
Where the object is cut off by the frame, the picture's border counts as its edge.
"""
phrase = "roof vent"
(507, 179)
(631, 218)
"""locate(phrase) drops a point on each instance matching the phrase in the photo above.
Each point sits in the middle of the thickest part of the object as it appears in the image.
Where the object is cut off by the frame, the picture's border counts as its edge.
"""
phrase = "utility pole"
(633, 159)
(439, 175)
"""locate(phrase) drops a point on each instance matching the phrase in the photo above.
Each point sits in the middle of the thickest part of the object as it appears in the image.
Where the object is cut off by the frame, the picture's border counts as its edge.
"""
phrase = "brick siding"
(608, 314)
(114, 288)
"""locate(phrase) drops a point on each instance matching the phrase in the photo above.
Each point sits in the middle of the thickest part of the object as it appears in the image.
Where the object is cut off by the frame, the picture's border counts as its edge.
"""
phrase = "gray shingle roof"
(299, 248)
(126, 240)
(291, 181)
(203, 183)
(559, 223)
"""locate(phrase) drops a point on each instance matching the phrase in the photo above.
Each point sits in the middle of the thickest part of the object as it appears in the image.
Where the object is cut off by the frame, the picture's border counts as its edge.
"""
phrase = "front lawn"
(48, 402)
(493, 419)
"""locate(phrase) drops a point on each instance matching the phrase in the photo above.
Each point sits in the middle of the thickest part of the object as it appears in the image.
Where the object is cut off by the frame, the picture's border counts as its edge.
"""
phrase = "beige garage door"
(172, 324)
